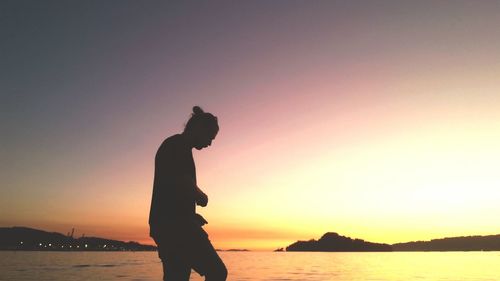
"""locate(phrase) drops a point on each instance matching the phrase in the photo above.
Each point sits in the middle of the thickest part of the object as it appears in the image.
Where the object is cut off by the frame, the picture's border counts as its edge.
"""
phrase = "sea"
(303, 266)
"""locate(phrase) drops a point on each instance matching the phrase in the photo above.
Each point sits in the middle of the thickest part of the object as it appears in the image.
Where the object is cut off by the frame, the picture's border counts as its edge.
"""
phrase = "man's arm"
(200, 197)
(167, 162)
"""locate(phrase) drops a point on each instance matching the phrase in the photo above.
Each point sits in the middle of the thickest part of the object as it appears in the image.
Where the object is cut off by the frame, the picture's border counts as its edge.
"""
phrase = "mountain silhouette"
(333, 242)
(30, 239)
(463, 243)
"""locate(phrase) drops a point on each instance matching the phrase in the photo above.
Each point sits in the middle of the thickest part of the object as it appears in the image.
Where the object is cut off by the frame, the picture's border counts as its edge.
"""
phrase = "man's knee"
(217, 273)
(222, 272)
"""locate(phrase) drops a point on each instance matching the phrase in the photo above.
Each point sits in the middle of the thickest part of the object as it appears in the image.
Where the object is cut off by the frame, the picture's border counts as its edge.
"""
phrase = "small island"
(333, 242)
(29, 239)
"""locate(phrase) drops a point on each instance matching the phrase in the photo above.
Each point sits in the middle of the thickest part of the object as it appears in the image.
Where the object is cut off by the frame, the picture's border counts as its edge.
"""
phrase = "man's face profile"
(205, 138)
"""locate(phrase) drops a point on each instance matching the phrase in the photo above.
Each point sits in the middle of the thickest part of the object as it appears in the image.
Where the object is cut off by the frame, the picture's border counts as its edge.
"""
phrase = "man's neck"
(189, 139)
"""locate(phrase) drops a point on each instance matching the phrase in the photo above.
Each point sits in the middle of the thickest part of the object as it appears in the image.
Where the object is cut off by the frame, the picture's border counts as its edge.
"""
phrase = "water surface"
(304, 266)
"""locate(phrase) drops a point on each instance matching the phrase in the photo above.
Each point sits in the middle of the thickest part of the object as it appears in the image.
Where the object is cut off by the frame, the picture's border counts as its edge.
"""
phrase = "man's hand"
(200, 220)
(201, 198)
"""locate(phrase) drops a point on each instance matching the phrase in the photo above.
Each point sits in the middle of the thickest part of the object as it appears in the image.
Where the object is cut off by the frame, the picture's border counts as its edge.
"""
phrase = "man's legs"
(174, 267)
(208, 263)
(217, 272)
(175, 270)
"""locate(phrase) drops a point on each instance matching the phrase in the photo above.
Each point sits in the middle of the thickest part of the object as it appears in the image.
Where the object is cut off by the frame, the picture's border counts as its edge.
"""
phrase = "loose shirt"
(173, 205)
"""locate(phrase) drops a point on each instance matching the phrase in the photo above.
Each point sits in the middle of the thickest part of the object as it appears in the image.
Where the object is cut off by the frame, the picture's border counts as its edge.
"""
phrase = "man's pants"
(179, 257)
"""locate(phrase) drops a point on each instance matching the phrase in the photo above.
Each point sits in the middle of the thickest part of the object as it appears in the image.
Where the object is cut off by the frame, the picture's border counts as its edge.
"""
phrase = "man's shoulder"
(173, 142)
(173, 139)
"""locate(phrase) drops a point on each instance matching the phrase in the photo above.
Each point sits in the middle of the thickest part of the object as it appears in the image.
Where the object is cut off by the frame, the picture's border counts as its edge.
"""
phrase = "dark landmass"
(464, 243)
(332, 242)
(29, 239)
(232, 250)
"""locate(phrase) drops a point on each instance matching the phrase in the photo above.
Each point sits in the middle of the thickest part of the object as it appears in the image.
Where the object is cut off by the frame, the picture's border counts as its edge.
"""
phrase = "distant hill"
(464, 243)
(29, 239)
(332, 242)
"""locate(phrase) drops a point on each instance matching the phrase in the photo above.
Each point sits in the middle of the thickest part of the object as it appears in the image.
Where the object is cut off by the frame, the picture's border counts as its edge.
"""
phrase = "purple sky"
(306, 92)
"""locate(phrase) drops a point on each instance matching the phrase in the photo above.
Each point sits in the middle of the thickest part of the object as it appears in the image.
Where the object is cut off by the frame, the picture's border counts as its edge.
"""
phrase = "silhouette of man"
(174, 225)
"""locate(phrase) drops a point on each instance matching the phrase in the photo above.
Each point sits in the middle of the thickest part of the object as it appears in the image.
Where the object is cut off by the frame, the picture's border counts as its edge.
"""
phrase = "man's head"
(202, 128)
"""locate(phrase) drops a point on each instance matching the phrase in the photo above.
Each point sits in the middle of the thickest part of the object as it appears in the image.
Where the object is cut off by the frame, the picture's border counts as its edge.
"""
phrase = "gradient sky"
(375, 119)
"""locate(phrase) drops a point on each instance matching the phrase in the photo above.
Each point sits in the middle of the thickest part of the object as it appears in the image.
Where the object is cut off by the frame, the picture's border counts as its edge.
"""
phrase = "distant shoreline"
(250, 251)
(333, 242)
(30, 239)
(76, 251)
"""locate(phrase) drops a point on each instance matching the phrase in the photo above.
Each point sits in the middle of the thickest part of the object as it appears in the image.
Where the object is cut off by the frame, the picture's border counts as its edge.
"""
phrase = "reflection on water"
(421, 266)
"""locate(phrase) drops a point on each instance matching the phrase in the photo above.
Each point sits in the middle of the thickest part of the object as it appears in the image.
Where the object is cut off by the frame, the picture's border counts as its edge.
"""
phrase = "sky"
(378, 120)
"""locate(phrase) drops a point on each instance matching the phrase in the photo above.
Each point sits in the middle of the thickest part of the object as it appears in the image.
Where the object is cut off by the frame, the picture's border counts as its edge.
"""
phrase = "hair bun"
(197, 110)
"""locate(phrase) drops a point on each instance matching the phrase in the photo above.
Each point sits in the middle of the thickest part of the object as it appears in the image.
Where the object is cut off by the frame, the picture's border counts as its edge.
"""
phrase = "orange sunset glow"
(377, 122)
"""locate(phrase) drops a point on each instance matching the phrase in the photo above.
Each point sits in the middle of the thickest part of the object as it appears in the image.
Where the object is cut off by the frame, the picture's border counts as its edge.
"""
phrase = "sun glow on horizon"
(378, 122)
